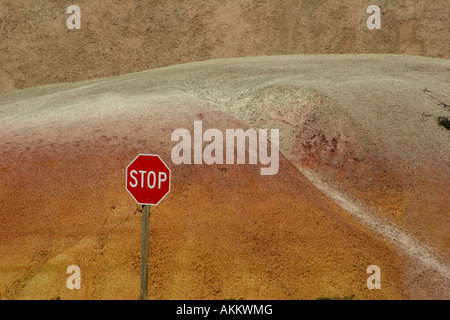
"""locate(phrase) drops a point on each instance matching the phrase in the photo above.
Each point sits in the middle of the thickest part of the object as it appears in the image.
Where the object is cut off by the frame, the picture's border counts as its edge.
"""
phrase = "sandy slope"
(119, 37)
(219, 234)
(229, 233)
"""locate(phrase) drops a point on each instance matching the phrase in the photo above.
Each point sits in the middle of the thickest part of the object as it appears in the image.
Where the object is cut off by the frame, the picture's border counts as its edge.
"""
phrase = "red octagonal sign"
(148, 179)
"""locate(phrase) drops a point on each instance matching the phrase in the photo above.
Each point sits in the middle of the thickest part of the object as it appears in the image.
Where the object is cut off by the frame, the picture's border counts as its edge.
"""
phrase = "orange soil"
(220, 233)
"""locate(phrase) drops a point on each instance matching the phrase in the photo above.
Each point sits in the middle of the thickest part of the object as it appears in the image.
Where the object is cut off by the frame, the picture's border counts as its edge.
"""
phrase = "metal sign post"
(145, 243)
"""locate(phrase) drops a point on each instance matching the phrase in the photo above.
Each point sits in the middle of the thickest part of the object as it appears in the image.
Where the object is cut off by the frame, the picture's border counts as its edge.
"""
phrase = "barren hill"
(366, 125)
(119, 37)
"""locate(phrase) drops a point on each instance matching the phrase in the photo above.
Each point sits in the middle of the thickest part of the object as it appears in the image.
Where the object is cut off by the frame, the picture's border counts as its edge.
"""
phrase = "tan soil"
(119, 37)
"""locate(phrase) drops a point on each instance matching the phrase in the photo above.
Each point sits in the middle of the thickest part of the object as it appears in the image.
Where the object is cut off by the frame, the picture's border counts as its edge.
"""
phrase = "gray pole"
(145, 243)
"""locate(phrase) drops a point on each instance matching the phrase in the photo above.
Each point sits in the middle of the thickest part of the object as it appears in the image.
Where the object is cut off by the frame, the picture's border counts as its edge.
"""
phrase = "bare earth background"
(364, 167)
(118, 37)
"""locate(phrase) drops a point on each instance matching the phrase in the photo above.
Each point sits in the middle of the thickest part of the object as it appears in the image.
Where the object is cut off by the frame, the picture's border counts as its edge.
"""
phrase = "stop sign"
(148, 179)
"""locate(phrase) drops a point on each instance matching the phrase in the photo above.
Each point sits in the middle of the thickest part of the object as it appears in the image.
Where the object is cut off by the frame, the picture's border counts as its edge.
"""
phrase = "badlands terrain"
(118, 37)
(364, 150)
(363, 128)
